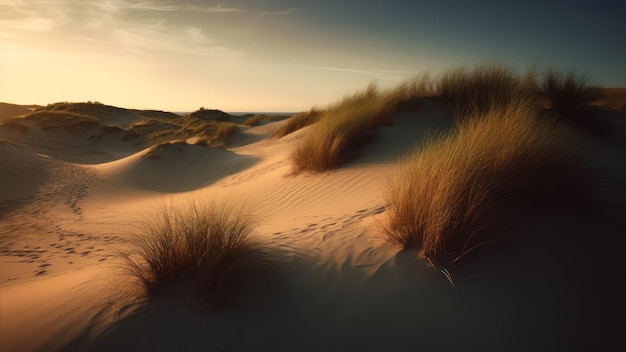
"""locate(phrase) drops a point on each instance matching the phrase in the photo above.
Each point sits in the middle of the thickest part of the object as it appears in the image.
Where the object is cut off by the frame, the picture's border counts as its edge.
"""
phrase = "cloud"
(35, 16)
(189, 8)
(125, 25)
(278, 13)
(160, 36)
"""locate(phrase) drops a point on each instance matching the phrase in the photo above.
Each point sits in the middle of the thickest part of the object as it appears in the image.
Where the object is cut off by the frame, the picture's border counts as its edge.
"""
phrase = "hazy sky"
(279, 55)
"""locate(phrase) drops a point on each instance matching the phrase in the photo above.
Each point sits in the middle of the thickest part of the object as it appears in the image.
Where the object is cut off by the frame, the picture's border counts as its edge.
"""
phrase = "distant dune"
(11, 110)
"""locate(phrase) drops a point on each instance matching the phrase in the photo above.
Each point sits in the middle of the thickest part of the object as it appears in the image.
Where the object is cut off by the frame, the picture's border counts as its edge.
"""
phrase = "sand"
(66, 204)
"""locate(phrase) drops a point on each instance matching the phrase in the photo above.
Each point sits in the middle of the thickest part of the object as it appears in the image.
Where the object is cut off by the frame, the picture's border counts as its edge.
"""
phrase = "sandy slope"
(337, 284)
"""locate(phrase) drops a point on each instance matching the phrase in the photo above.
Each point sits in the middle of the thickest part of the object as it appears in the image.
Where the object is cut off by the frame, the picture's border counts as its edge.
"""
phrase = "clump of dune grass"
(457, 192)
(298, 121)
(254, 120)
(352, 122)
(157, 150)
(567, 94)
(474, 92)
(341, 128)
(208, 132)
(198, 250)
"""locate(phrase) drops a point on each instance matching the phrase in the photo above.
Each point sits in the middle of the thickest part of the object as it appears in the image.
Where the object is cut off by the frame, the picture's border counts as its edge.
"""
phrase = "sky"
(285, 56)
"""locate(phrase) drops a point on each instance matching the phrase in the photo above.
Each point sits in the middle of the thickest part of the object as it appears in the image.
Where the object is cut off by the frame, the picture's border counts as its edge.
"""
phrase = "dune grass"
(298, 121)
(566, 95)
(254, 120)
(202, 251)
(457, 192)
(485, 87)
(346, 125)
(339, 130)
(208, 132)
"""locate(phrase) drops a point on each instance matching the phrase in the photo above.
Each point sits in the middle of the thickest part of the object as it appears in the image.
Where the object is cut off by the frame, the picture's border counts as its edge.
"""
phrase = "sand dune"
(68, 201)
(11, 110)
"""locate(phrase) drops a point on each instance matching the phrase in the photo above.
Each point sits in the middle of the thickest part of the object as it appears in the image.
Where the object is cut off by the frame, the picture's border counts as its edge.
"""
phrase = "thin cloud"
(106, 25)
(278, 13)
(190, 8)
(34, 16)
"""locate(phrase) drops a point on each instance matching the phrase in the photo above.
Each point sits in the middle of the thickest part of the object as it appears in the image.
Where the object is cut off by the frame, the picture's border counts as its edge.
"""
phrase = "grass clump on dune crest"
(198, 250)
(340, 129)
(207, 132)
(298, 121)
(455, 194)
(474, 92)
(352, 122)
(256, 119)
(567, 95)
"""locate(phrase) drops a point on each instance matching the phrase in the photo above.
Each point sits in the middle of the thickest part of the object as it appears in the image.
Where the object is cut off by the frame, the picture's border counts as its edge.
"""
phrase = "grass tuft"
(198, 250)
(474, 92)
(298, 121)
(567, 95)
(256, 119)
(352, 122)
(457, 192)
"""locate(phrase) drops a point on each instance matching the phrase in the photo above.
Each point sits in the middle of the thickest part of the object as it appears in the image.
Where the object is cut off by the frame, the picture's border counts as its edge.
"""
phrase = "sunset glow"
(278, 55)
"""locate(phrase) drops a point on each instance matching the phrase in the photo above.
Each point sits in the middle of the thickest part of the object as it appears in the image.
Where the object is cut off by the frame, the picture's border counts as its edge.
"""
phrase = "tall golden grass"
(454, 194)
(346, 125)
(197, 250)
(339, 130)
(298, 121)
(485, 87)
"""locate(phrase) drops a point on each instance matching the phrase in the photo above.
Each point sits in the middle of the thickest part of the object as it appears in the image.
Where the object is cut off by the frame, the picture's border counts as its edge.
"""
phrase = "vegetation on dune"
(161, 127)
(156, 151)
(456, 193)
(88, 109)
(568, 95)
(298, 121)
(210, 114)
(202, 251)
(474, 92)
(254, 120)
(341, 128)
(157, 114)
(345, 126)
